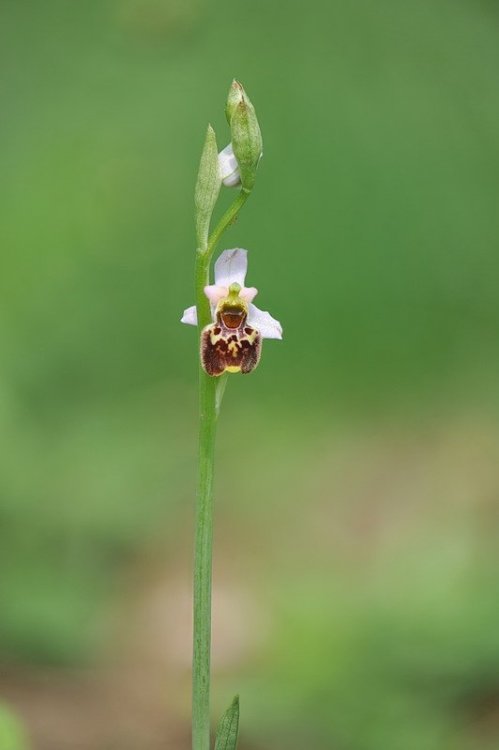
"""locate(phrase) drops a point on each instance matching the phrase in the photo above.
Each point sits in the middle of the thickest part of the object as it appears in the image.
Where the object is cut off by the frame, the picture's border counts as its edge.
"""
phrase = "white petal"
(228, 166)
(269, 327)
(231, 267)
(190, 316)
(215, 293)
(232, 180)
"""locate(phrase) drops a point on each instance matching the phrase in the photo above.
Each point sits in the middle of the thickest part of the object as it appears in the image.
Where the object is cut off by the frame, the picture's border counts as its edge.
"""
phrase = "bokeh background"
(355, 594)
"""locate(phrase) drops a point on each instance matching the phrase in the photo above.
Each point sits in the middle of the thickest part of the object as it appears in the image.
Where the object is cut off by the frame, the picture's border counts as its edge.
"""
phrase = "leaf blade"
(228, 727)
(207, 188)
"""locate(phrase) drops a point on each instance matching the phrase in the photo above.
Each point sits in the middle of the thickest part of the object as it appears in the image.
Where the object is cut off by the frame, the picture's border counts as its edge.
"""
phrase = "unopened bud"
(234, 97)
(245, 132)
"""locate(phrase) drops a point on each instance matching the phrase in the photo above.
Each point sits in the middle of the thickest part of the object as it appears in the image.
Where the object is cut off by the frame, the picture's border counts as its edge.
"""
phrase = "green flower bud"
(235, 97)
(246, 136)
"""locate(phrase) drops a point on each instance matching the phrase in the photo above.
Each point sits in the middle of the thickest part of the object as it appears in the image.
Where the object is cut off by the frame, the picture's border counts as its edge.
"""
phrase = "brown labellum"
(230, 348)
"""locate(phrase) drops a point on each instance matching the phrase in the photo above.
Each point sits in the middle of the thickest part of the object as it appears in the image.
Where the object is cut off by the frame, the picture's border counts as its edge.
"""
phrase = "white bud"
(229, 168)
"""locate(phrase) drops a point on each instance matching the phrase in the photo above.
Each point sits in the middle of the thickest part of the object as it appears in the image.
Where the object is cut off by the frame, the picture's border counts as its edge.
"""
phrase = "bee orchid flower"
(233, 341)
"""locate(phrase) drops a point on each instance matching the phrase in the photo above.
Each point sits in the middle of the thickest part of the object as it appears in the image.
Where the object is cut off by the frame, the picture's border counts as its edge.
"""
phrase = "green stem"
(202, 567)
(209, 404)
(226, 220)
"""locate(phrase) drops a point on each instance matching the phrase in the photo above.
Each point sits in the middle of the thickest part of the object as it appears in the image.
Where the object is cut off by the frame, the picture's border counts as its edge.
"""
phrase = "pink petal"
(248, 293)
(215, 293)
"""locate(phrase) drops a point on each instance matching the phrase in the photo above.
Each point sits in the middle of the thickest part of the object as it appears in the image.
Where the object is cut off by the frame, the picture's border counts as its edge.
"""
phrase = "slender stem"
(203, 567)
(226, 220)
(221, 385)
(208, 412)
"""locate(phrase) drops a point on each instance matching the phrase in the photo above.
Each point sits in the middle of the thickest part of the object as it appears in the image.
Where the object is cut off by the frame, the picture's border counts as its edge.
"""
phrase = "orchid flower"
(232, 343)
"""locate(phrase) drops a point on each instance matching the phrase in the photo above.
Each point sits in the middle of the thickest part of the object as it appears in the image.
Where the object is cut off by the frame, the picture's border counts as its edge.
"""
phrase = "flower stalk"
(231, 329)
(210, 396)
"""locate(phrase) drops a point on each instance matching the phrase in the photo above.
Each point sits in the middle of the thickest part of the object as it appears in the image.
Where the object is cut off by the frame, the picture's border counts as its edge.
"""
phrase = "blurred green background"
(355, 599)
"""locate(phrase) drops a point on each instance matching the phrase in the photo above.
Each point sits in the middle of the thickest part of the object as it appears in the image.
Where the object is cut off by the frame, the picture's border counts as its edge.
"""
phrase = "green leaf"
(207, 188)
(228, 727)
(12, 735)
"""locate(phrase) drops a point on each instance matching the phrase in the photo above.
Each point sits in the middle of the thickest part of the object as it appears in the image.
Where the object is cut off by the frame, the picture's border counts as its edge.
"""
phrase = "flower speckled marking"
(230, 344)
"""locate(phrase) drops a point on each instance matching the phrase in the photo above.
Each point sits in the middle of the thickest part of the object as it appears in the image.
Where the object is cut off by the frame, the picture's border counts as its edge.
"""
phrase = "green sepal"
(246, 139)
(228, 728)
(207, 188)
